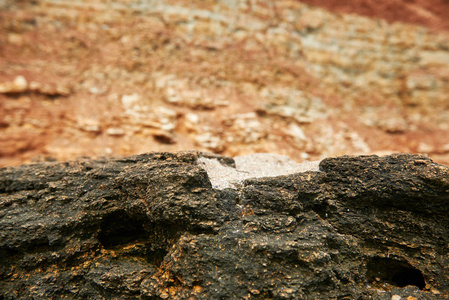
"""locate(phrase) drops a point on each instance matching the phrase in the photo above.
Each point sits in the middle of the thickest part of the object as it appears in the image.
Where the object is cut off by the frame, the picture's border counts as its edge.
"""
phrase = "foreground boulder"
(153, 226)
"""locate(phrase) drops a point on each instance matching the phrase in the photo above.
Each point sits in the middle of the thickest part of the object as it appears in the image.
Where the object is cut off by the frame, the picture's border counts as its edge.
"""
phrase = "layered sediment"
(96, 78)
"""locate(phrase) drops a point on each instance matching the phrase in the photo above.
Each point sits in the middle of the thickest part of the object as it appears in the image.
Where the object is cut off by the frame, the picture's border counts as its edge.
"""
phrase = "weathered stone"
(21, 85)
(153, 227)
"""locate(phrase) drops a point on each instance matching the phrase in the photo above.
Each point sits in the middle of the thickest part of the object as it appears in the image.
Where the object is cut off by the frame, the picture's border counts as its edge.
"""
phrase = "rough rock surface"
(153, 227)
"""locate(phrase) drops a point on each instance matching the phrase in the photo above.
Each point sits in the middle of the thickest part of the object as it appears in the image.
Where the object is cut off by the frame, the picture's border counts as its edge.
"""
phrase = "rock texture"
(153, 227)
(103, 78)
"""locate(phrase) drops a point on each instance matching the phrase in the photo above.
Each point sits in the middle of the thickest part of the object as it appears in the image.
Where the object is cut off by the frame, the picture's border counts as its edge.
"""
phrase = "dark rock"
(152, 226)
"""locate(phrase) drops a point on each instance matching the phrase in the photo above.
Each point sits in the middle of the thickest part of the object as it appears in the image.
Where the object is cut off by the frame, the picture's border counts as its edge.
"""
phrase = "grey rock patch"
(252, 166)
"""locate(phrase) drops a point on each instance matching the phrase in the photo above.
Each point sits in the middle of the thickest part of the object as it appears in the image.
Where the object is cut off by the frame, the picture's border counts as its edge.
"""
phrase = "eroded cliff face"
(428, 13)
(153, 226)
(93, 78)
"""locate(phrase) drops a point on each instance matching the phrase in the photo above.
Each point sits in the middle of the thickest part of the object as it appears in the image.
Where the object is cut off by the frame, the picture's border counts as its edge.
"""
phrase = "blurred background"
(308, 79)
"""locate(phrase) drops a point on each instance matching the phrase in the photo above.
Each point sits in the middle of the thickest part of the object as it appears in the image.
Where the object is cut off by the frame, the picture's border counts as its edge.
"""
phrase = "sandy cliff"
(101, 78)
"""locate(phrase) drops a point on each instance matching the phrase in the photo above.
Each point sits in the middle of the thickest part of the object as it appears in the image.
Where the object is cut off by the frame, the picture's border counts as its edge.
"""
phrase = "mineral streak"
(152, 226)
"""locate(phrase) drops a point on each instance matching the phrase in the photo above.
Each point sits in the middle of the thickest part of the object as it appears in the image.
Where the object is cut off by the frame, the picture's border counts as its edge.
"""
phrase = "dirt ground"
(102, 78)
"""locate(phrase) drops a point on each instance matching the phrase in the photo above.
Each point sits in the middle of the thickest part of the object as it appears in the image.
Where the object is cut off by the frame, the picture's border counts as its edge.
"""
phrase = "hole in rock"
(118, 228)
(394, 272)
(7, 253)
(157, 256)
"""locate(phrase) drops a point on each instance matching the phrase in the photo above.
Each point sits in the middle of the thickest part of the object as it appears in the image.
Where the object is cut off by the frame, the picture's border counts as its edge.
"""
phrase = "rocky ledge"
(153, 226)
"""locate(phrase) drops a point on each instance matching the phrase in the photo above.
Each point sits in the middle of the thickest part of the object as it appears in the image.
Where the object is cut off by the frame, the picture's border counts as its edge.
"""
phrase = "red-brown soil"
(433, 14)
(92, 78)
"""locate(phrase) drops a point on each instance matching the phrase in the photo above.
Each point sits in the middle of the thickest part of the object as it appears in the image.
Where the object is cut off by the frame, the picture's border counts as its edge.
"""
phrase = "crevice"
(137, 237)
(8, 254)
(394, 272)
(118, 228)
(156, 256)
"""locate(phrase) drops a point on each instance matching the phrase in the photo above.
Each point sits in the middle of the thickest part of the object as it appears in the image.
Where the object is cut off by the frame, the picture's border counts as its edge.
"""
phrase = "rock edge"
(152, 226)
